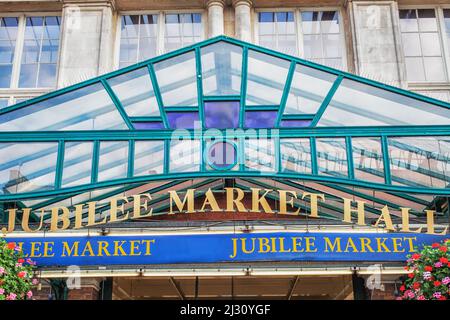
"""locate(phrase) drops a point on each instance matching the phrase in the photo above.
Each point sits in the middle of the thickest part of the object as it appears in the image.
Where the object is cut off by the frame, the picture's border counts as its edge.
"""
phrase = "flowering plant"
(16, 273)
(429, 273)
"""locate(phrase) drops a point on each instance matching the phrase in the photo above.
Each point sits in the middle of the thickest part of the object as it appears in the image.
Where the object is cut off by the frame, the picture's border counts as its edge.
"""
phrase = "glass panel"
(368, 159)
(27, 167)
(8, 37)
(88, 108)
(332, 157)
(277, 31)
(148, 157)
(260, 119)
(4, 103)
(266, 79)
(135, 92)
(184, 155)
(295, 155)
(138, 38)
(182, 29)
(77, 163)
(222, 114)
(408, 20)
(40, 52)
(148, 125)
(221, 69)
(295, 123)
(183, 120)
(177, 80)
(260, 154)
(420, 161)
(113, 160)
(357, 104)
(308, 90)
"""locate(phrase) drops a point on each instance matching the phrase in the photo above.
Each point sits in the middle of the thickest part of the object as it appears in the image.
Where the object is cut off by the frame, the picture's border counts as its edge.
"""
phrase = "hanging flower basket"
(16, 273)
(429, 274)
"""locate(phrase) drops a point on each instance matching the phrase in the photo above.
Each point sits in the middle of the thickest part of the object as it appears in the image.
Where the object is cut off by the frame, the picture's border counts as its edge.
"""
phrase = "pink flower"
(421, 297)
(2, 291)
(427, 275)
(18, 265)
(411, 294)
(2, 270)
(438, 264)
(11, 296)
(446, 280)
(29, 294)
(35, 281)
(437, 295)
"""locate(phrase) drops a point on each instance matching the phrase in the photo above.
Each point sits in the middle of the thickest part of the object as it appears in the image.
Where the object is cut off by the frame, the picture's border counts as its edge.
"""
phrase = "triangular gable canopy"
(337, 133)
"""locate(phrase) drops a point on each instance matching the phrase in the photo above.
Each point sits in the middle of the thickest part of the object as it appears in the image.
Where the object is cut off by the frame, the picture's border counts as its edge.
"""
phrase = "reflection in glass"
(368, 159)
(40, 52)
(308, 90)
(221, 69)
(295, 155)
(148, 157)
(177, 80)
(27, 167)
(8, 37)
(332, 157)
(182, 29)
(113, 160)
(88, 108)
(266, 79)
(77, 163)
(183, 120)
(4, 103)
(135, 92)
(222, 114)
(260, 154)
(151, 125)
(138, 38)
(420, 161)
(358, 104)
(222, 155)
(260, 119)
(295, 123)
(184, 155)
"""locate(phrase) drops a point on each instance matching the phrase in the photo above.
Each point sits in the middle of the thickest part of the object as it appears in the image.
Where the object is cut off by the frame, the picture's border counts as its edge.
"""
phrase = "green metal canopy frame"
(318, 125)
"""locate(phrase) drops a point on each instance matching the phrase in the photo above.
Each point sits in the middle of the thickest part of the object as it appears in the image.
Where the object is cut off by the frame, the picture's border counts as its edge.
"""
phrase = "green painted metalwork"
(117, 103)
(286, 90)
(312, 132)
(327, 100)
(151, 71)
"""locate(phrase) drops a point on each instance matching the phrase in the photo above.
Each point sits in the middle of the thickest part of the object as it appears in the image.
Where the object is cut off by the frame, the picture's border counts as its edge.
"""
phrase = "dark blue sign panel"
(207, 248)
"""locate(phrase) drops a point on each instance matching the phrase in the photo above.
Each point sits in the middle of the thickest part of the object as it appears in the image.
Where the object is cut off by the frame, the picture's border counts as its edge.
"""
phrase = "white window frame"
(160, 28)
(14, 91)
(298, 27)
(431, 86)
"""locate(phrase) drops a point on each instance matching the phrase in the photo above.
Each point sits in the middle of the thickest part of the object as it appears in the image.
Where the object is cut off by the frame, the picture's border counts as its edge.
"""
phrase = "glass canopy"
(275, 116)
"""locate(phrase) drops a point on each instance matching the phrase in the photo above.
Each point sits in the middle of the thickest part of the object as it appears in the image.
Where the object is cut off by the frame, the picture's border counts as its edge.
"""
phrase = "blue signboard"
(213, 248)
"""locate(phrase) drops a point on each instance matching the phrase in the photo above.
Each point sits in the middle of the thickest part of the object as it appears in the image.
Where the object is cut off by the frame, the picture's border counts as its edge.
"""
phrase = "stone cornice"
(209, 3)
(242, 2)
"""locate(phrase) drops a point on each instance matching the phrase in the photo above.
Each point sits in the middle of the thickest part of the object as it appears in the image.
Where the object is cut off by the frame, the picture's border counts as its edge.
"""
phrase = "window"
(320, 32)
(148, 35)
(38, 43)
(138, 38)
(422, 47)
(277, 31)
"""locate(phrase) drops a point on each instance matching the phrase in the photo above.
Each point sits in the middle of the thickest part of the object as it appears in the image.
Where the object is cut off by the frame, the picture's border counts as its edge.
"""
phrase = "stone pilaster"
(242, 12)
(376, 41)
(215, 17)
(86, 40)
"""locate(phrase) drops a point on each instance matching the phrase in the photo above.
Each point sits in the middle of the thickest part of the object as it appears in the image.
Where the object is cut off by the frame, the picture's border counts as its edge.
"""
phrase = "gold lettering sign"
(137, 206)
